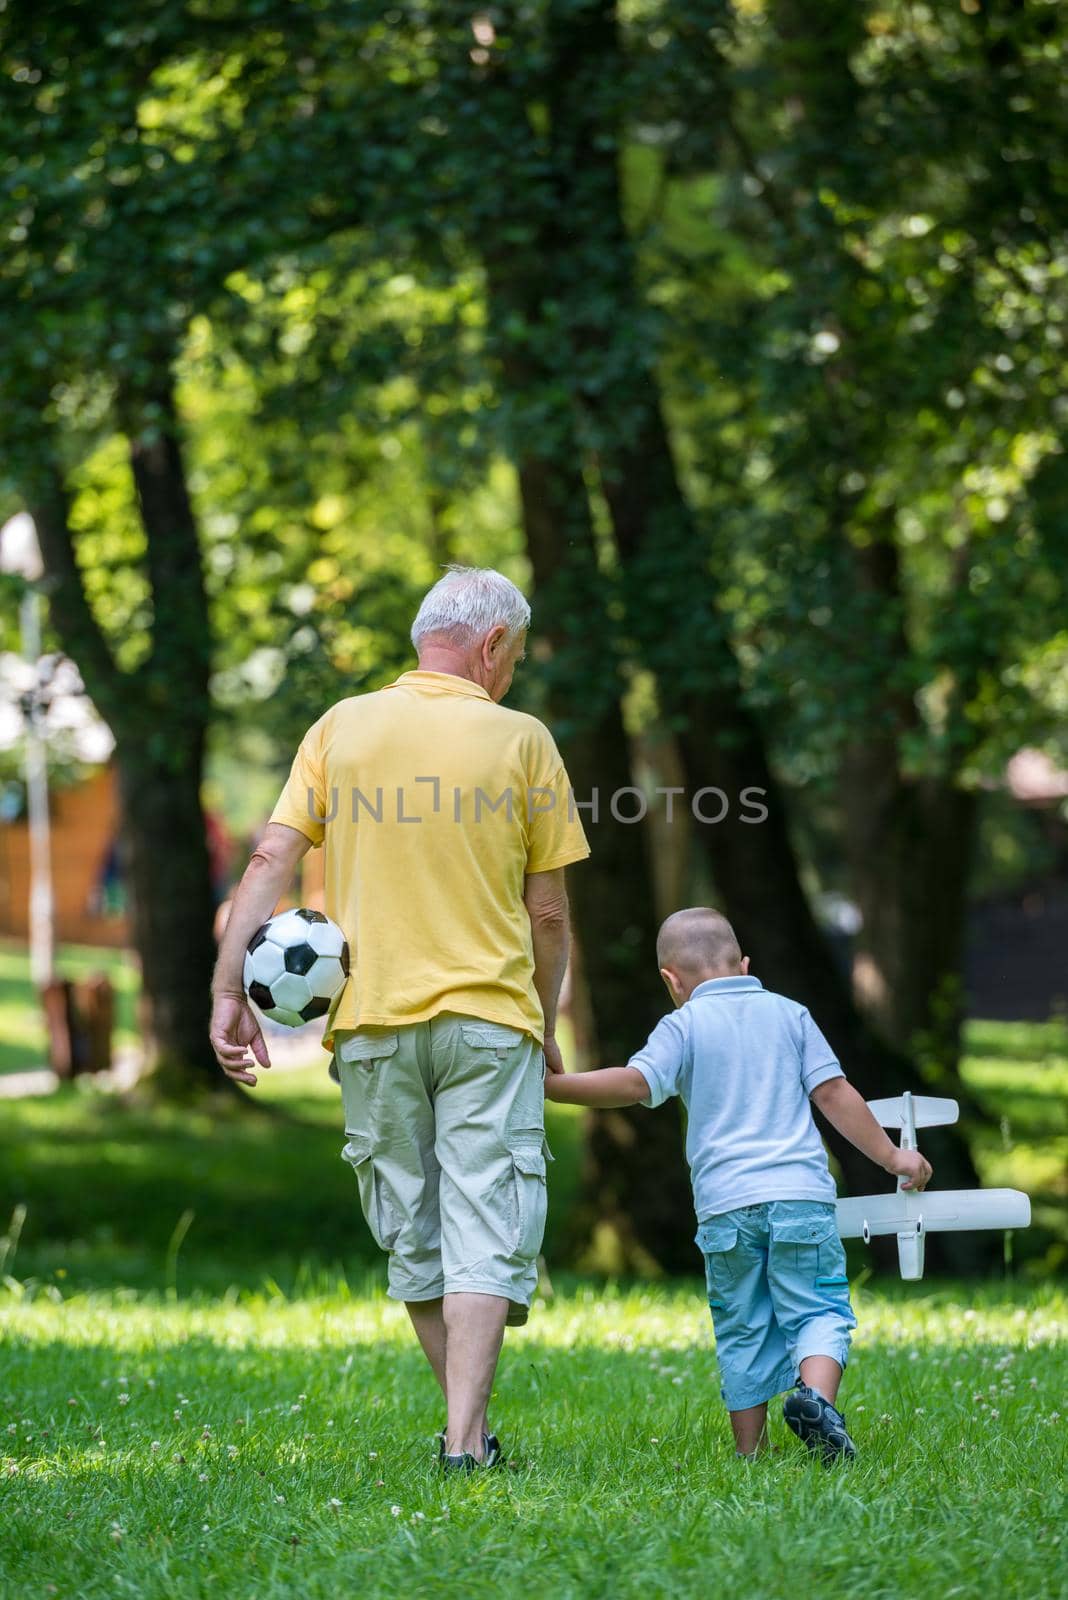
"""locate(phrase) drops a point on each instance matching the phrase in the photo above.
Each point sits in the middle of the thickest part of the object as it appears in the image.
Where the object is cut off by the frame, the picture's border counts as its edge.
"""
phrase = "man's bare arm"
(234, 1029)
(545, 898)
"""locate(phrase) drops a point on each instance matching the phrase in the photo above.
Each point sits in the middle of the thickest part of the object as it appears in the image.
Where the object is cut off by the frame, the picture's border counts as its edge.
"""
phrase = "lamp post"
(21, 554)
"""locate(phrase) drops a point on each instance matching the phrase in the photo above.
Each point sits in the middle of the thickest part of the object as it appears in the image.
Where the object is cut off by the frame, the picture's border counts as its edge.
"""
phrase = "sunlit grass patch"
(271, 1447)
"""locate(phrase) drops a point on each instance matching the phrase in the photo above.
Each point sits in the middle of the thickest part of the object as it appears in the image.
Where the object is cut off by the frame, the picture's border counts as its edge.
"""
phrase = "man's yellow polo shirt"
(432, 803)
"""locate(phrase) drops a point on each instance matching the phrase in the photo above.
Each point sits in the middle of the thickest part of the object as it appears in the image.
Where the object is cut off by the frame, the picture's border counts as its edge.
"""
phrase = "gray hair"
(467, 602)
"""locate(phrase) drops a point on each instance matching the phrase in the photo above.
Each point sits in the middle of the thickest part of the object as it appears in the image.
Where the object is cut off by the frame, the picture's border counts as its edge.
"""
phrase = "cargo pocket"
(810, 1246)
(367, 1047)
(378, 1209)
(529, 1198)
(492, 1036)
(716, 1241)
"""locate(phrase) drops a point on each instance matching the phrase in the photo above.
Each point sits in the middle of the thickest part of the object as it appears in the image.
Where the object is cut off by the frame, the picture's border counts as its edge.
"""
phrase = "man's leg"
(429, 1324)
(389, 1119)
(489, 1113)
(474, 1326)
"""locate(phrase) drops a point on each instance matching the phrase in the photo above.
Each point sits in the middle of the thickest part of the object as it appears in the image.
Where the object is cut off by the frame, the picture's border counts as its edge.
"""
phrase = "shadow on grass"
(200, 1198)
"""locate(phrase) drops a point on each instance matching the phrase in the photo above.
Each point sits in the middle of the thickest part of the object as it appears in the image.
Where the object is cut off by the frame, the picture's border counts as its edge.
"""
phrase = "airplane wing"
(927, 1111)
(933, 1211)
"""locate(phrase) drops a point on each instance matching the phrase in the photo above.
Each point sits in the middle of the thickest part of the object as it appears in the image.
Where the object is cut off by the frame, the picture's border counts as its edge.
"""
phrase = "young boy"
(746, 1063)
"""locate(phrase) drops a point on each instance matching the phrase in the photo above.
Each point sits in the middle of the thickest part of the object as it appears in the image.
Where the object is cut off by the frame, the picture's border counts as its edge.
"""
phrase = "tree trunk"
(672, 609)
(172, 911)
(909, 847)
(159, 713)
(636, 1211)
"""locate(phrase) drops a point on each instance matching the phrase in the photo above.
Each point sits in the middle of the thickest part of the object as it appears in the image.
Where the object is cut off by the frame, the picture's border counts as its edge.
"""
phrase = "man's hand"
(914, 1168)
(554, 1061)
(234, 1032)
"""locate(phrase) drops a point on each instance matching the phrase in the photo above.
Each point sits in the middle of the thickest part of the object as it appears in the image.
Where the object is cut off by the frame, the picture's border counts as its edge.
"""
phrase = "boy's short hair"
(697, 939)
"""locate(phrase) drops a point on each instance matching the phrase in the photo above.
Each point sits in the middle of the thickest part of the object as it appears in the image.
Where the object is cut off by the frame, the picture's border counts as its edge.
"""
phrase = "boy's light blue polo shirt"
(744, 1062)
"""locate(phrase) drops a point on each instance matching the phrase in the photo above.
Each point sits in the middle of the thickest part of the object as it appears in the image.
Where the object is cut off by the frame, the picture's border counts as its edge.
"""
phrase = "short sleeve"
(663, 1058)
(302, 803)
(555, 835)
(818, 1060)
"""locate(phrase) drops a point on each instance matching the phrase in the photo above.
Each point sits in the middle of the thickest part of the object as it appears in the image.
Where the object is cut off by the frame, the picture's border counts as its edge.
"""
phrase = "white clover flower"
(232, 1451)
(155, 1446)
(124, 1399)
(203, 1477)
(395, 1511)
(279, 1499)
(334, 1503)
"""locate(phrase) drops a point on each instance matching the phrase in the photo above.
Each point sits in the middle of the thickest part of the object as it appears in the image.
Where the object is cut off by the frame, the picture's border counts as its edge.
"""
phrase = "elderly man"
(446, 822)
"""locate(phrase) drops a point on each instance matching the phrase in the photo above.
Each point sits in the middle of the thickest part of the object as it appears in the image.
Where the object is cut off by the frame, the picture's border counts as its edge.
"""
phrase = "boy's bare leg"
(429, 1324)
(750, 1430)
(822, 1373)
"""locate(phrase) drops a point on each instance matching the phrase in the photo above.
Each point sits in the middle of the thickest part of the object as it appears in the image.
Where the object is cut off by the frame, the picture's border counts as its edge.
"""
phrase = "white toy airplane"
(913, 1216)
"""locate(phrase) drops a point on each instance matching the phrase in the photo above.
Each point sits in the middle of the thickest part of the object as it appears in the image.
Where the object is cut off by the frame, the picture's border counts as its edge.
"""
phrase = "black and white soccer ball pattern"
(295, 965)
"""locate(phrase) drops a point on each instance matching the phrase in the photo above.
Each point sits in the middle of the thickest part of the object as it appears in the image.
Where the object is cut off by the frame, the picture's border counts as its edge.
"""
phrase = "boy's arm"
(847, 1111)
(608, 1086)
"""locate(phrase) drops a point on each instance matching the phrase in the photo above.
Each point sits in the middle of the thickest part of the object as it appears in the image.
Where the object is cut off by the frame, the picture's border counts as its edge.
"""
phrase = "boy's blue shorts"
(778, 1292)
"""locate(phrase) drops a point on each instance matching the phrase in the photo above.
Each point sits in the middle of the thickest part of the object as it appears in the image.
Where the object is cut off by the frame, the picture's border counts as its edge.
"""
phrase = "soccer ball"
(295, 965)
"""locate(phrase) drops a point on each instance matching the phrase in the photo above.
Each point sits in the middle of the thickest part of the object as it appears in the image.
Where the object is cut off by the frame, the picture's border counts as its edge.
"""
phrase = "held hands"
(554, 1061)
(914, 1168)
(234, 1032)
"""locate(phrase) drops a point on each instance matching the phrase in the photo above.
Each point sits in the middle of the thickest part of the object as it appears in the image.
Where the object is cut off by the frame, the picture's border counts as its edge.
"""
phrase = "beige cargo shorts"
(445, 1128)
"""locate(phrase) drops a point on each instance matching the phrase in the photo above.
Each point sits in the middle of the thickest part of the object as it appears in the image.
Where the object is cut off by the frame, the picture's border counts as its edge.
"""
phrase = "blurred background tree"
(735, 332)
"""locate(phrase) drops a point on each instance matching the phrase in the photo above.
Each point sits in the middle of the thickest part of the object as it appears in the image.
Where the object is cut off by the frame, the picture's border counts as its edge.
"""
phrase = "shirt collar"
(737, 985)
(445, 682)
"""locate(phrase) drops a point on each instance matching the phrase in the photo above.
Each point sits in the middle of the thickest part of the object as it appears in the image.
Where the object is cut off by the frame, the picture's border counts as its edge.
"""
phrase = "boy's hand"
(914, 1168)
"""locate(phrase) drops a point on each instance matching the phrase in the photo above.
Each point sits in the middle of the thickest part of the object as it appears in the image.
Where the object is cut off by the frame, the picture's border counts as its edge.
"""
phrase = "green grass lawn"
(271, 1447)
(205, 1392)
